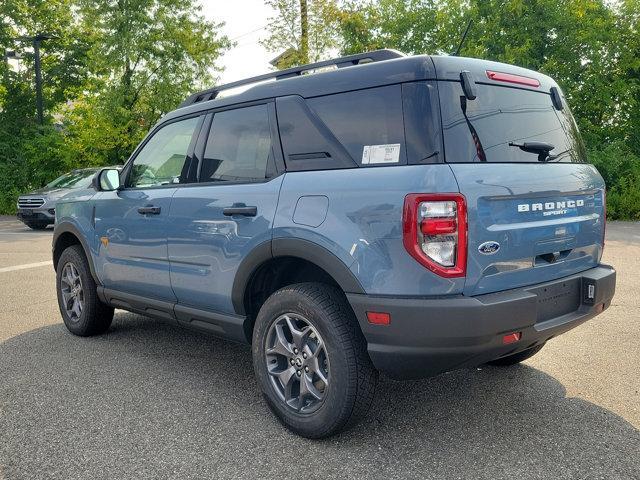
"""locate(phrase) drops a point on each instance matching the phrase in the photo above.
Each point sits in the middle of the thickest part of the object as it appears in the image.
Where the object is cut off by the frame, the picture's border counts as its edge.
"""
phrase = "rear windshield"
(506, 124)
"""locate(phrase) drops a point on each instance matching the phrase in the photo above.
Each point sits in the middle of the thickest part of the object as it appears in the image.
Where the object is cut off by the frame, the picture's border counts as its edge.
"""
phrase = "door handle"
(240, 209)
(149, 210)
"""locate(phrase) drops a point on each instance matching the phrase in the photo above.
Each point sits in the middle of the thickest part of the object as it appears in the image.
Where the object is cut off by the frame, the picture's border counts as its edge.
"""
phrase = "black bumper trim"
(428, 336)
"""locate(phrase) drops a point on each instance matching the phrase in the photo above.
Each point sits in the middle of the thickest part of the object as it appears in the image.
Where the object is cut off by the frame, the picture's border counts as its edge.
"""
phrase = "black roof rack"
(348, 61)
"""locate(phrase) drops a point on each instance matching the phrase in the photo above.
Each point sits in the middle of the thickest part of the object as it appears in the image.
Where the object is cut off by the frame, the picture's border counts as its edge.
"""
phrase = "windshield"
(76, 179)
(506, 125)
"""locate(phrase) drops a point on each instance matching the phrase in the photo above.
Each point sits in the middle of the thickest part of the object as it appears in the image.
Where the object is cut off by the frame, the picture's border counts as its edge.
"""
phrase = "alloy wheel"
(72, 292)
(297, 362)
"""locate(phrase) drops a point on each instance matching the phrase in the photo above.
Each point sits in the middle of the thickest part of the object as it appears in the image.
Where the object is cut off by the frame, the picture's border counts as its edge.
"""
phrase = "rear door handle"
(149, 210)
(240, 209)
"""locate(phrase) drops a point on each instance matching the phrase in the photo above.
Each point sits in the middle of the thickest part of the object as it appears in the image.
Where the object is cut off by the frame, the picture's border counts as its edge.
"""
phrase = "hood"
(50, 194)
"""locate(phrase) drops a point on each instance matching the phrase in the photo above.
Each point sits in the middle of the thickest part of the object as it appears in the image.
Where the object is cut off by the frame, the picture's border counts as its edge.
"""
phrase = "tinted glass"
(422, 122)
(163, 159)
(239, 146)
(482, 129)
(76, 179)
(366, 118)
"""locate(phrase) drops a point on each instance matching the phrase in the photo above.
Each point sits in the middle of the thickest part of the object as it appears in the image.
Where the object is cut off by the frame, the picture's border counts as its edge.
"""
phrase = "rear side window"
(239, 146)
(494, 126)
(368, 123)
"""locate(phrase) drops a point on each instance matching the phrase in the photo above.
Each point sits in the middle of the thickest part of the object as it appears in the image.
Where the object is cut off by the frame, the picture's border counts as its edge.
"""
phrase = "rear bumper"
(427, 336)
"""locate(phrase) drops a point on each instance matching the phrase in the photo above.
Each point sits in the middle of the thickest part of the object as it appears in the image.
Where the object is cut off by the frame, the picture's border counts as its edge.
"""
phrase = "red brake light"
(435, 232)
(510, 78)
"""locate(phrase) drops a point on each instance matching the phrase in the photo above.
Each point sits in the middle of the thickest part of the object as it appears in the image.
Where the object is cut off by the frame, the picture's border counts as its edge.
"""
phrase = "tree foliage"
(116, 66)
(590, 47)
(306, 29)
(113, 68)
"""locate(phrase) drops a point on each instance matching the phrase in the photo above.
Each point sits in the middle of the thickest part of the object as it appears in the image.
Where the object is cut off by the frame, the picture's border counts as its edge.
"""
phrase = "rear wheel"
(82, 311)
(311, 361)
(516, 357)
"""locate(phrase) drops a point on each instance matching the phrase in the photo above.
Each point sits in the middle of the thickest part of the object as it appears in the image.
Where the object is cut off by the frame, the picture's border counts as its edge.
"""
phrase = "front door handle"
(240, 209)
(149, 210)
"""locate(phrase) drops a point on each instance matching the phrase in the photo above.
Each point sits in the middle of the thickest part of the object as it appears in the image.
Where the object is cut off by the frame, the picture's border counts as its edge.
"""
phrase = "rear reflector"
(510, 78)
(511, 338)
(379, 318)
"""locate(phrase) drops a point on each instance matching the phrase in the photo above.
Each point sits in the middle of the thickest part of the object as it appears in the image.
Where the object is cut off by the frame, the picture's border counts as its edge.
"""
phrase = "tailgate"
(530, 223)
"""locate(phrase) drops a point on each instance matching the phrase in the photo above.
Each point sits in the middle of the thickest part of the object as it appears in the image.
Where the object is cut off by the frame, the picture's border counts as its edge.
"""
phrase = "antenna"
(464, 37)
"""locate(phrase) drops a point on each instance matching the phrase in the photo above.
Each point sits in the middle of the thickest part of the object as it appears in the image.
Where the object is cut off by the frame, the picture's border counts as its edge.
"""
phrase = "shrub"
(620, 168)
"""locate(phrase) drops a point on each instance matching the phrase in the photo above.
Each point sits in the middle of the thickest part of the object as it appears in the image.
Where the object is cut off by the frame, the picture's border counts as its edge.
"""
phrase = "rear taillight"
(435, 231)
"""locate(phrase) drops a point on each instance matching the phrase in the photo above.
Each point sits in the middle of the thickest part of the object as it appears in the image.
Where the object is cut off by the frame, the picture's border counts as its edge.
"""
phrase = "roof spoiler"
(342, 62)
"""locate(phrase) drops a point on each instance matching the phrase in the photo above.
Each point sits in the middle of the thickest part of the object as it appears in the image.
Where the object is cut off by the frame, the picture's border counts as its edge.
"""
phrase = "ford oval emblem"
(489, 248)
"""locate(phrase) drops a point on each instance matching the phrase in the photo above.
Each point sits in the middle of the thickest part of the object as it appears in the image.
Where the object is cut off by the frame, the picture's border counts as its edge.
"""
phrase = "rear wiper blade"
(541, 148)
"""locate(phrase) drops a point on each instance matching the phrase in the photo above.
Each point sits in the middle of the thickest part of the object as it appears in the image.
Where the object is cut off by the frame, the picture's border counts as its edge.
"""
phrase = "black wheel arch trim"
(291, 247)
(68, 227)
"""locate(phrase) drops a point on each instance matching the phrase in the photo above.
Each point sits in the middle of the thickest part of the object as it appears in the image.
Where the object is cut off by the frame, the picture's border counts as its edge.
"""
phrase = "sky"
(245, 22)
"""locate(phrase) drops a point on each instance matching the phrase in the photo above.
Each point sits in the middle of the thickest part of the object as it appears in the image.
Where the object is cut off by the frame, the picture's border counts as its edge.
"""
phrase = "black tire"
(37, 226)
(516, 357)
(95, 317)
(351, 376)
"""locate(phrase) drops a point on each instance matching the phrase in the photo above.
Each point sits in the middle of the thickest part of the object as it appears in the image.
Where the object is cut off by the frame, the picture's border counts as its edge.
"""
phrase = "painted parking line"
(24, 266)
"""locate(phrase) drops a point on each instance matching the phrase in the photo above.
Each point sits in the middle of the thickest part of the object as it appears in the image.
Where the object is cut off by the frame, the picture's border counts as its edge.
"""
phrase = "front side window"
(163, 159)
(238, 147)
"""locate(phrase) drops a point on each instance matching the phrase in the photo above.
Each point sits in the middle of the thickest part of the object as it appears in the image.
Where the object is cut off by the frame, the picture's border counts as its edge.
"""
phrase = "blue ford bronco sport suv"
(400, 214)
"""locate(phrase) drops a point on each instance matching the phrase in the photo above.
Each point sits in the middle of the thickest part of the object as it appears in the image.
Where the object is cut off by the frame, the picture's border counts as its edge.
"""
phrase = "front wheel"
(82, 311)
(311, 361)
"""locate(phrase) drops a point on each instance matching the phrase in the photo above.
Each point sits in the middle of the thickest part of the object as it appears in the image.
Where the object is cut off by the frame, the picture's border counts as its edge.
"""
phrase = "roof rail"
(348, 61)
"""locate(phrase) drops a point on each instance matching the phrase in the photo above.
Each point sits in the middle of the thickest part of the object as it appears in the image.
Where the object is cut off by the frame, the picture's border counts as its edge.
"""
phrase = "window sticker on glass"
(381, 154)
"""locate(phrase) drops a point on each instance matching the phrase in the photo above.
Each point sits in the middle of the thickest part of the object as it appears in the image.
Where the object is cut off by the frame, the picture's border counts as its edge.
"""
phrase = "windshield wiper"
(541, 148)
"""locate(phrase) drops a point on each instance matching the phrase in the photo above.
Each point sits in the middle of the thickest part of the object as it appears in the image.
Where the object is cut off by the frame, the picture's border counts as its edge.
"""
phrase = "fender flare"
(291, 247)
(68, 227)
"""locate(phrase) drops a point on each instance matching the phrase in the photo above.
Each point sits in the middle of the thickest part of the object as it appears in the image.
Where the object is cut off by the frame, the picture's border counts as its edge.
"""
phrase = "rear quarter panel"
(363, 222)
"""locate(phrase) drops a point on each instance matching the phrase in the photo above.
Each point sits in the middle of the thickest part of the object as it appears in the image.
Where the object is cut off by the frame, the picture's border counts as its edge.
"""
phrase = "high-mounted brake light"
(435, 232)
(510, 78)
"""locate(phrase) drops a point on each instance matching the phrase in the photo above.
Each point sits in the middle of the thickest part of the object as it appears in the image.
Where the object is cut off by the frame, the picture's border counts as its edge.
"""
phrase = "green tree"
(305, 30)
(590, 47)
(583, 44)
(113, 69)
(146, 57)
(31, 155)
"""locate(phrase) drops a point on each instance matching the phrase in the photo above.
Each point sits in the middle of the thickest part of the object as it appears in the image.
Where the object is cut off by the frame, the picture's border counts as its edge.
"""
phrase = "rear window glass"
(483, 129)
(368, 123)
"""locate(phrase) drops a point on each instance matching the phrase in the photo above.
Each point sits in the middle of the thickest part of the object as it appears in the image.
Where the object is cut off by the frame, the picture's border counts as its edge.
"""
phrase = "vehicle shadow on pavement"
(150, 400)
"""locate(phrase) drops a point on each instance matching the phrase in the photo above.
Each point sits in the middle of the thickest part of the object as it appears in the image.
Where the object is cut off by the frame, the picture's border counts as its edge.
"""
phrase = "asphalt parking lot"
(149, 400)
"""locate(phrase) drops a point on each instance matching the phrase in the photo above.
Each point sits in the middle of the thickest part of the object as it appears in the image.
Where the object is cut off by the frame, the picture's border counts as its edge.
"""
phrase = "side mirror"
(106, 180)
